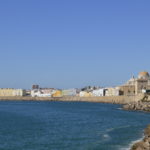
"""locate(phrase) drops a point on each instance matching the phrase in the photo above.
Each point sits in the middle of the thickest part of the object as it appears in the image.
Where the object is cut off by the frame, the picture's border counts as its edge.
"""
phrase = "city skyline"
(64, 44)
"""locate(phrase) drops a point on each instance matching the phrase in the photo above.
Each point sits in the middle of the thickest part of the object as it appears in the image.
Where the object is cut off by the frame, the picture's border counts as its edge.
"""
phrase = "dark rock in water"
(145, 143)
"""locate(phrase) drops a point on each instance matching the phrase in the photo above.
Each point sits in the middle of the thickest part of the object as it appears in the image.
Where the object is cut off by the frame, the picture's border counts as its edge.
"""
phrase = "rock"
(126, 107)
(143, 106)
(147, 131)
(145, 143)
(138, 146)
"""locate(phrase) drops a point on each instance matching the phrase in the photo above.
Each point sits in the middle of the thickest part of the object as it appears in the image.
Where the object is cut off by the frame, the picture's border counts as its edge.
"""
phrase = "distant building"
(35, 87)
(57, 93)
(85, 94)
(99, 92)
(42, 92)
(69, 92)
(135, 86)
(12, 92)
(113, 91)
(19, 92)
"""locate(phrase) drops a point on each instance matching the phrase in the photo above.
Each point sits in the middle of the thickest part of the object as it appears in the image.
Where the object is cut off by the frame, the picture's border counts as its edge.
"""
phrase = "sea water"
(32, 125)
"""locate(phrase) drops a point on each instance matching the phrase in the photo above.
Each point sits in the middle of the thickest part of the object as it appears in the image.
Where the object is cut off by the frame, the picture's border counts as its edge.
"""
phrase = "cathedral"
(135, 86)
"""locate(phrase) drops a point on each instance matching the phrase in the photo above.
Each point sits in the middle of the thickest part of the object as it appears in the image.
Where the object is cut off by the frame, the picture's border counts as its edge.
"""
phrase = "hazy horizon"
(66, 44)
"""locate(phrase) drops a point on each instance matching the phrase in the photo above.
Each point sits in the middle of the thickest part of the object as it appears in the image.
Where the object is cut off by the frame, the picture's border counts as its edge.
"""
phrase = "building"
(99, 92)
(113, 91)
(142, 82)
(12, 92)
(57, 93)
(85, 94)
(69, 92)
(34, 87)
(135, 86)
(19, 92)
(42, 92)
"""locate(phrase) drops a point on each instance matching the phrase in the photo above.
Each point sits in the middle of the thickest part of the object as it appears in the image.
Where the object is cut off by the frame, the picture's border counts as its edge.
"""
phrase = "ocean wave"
(112, 129)
(120, 108)
(131, 144)
(106, 137)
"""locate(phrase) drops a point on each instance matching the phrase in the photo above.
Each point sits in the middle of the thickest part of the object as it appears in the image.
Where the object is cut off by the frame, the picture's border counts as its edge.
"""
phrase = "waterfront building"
(85, 94)
(113, 91)
(36, 93)
(69, 92)
(57, 93)
(19, 92)
(135, 86)
(127, 90)
(99, 92)
(12, 92)
(28, 92)
(42, 92)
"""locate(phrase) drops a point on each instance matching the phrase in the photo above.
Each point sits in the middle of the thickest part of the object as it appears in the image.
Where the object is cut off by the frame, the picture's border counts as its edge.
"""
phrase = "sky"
(73, 43)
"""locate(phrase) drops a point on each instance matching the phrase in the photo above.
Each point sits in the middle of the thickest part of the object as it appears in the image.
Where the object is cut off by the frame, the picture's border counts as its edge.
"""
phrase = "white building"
(99, 92)
(42, 93)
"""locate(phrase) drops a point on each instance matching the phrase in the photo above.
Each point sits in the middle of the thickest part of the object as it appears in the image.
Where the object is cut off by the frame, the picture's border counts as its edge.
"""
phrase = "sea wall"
(102, 99)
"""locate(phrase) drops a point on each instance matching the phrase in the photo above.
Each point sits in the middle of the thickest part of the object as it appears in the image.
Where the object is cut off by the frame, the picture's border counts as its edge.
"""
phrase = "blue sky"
(66, 43)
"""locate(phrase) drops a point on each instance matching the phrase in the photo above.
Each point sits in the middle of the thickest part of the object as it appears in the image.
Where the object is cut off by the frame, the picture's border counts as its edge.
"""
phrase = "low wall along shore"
(102, 99)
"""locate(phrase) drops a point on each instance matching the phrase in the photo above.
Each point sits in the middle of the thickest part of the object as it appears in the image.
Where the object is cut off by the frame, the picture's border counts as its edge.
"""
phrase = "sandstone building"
(135, 86)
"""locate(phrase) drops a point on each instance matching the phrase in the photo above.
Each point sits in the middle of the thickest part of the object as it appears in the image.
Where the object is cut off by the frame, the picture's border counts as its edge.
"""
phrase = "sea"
(47, 125)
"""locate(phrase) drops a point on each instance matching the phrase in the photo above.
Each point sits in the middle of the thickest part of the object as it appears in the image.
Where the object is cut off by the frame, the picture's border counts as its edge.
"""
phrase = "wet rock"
(145, 143)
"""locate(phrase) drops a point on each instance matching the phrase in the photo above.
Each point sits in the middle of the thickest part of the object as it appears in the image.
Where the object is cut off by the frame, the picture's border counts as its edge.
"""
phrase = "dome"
(143, 75)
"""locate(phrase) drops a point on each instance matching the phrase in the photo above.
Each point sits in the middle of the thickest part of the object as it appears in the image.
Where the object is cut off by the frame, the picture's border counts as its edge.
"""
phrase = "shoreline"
(129, 146)
(143, 106)
(144, 142)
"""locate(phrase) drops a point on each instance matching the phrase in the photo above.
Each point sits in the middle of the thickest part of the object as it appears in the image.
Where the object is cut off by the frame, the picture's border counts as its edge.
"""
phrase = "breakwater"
(102, 99)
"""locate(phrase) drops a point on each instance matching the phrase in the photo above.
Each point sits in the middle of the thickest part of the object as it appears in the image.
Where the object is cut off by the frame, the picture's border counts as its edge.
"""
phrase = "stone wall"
(105, 99)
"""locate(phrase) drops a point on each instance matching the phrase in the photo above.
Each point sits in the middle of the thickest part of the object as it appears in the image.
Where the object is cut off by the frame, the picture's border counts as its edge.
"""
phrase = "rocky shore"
(145, 143)
(141, 106)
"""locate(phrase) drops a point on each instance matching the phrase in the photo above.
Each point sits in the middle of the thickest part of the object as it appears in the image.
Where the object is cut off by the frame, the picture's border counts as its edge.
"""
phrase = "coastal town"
(134, 95)
(75, 75)
(132, 87)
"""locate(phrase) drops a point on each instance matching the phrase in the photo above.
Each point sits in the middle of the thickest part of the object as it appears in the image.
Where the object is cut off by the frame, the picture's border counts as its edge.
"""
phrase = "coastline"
(132, 143)
(144, 143)
(144, 106)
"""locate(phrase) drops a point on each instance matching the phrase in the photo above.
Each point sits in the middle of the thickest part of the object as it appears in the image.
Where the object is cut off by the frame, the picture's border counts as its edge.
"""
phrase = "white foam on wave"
(106, 137)
(131, 144)
(121, 127)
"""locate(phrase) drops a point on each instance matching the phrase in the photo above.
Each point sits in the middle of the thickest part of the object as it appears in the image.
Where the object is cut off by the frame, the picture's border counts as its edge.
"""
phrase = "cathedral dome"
(144, 75)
